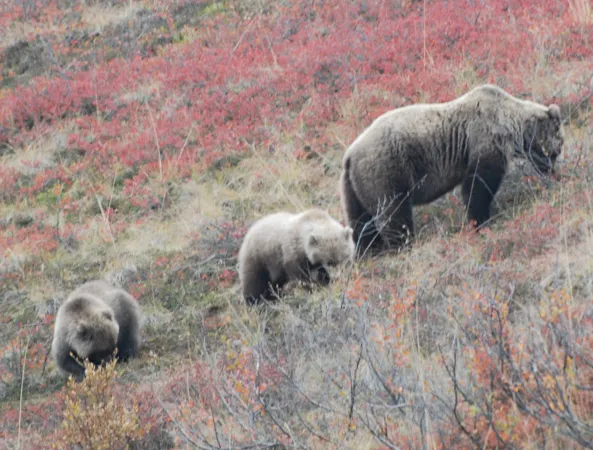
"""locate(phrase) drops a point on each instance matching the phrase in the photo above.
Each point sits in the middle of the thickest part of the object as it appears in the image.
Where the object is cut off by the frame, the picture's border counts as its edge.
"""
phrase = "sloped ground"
(138, 140)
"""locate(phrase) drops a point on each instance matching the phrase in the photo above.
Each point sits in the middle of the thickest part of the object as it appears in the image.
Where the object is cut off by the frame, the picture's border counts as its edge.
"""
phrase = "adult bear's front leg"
(481, 183)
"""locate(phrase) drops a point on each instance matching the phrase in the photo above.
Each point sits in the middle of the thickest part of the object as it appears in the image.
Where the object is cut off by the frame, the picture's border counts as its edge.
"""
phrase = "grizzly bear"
(415, 154)
(95, 320)
(308, 247)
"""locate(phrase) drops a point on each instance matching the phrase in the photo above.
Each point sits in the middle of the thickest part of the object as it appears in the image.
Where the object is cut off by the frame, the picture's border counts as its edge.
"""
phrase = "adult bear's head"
(543, 138)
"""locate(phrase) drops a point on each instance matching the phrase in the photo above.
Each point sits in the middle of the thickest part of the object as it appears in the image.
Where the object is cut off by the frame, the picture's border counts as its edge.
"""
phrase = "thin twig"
(23, 367)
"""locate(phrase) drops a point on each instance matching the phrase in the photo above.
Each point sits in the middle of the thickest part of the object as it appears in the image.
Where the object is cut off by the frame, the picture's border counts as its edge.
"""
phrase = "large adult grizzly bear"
(281, 247)
(95, 319)
(415, 154)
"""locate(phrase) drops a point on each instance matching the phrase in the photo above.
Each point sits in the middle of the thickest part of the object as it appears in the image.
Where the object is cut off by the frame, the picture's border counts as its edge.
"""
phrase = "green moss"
(214, 8)
(47, 198)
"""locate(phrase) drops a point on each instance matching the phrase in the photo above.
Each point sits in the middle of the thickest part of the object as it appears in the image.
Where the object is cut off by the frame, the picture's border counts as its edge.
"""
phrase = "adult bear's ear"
(554, 111)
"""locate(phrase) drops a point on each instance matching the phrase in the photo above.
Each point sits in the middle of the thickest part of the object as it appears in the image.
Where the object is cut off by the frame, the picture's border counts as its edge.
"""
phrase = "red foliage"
(290, 69)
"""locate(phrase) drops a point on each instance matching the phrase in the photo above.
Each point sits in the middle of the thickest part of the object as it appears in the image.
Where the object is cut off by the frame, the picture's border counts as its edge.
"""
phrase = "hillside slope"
(139, 140)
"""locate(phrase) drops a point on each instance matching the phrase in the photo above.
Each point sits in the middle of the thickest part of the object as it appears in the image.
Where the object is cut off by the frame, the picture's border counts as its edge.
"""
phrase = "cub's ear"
(77, 304)
(313, 241)
(554, 111)
(348, 233)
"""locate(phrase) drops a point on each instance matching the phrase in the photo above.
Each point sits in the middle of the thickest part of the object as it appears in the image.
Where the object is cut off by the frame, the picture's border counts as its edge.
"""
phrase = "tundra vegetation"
(140, 138)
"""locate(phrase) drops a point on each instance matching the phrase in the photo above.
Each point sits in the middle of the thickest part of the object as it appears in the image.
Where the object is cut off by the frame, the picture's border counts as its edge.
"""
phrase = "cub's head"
(329, 245)
(94, 333)
(543, 138)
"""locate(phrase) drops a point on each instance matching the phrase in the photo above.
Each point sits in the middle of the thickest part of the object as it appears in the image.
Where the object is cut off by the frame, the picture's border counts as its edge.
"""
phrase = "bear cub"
(95, 319)
(282, 247)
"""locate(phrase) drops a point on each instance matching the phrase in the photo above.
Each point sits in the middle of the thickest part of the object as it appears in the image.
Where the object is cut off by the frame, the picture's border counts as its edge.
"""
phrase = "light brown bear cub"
(281, 247)
(95, 319)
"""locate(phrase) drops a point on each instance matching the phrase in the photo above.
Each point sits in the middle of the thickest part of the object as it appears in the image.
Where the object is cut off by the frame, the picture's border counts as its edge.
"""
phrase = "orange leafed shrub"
(96, 415)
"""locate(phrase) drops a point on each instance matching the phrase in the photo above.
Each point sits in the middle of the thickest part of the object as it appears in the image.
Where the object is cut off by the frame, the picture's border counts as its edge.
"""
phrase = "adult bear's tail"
(359, 219)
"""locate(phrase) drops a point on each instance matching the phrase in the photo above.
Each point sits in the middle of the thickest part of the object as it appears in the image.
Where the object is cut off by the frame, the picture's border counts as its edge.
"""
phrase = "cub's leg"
(320, 275)
(129, 334)
(127, 344)
(69, 363)
(100, 358)
(256, 285)
(480, 186)
(276, 286)
(259, 285)
(316, 274)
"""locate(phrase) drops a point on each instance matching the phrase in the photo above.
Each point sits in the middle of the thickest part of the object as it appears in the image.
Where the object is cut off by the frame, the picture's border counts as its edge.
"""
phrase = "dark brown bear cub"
(95, 320)
(416, 154)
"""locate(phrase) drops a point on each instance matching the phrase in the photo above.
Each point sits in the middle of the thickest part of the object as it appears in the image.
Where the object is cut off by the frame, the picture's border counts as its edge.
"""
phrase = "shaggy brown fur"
(94, 320)
(310, 247)
(415, 154)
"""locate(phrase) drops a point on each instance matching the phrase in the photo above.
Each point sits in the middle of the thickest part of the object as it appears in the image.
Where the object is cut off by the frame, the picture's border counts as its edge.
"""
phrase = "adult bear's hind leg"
(361, 221)
(395, 222)
(480, 186)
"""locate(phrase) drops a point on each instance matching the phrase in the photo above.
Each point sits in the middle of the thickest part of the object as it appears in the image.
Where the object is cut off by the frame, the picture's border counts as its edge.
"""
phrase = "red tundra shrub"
(291, 68)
